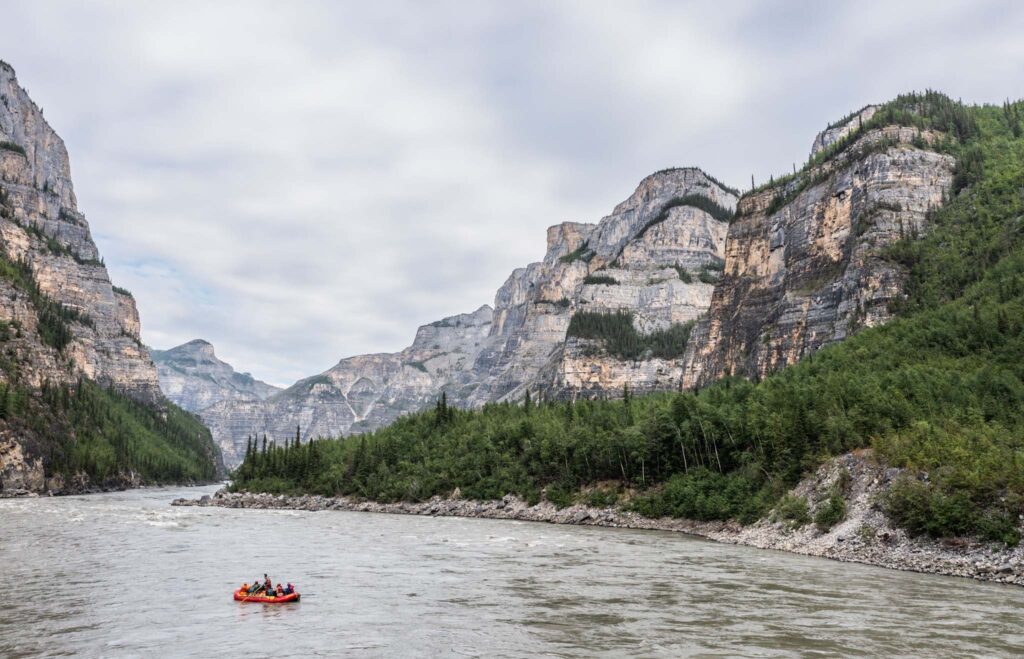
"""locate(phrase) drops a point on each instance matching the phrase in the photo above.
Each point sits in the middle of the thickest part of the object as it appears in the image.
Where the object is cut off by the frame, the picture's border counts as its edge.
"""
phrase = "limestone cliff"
(797, 265)
(633, 259)
(42, 226)
(654, 245)
(62, 323)
(807, 272)
(359, 393)
(193, 377)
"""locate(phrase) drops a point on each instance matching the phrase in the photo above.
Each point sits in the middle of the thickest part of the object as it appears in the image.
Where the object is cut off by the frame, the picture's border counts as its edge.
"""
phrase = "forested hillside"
(938, 391)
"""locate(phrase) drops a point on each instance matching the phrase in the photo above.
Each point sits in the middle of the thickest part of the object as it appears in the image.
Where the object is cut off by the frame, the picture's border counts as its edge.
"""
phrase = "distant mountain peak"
(192, 376)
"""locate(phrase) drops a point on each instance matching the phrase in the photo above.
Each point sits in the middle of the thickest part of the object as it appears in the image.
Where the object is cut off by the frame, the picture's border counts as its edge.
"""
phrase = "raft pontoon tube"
(241, 596)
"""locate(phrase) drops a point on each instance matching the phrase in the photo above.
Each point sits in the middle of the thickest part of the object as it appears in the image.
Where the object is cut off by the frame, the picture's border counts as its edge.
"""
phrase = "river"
(125, 574)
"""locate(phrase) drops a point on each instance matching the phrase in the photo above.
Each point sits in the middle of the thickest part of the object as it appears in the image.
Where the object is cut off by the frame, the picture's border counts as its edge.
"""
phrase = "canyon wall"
(798, 265)
(812, 271)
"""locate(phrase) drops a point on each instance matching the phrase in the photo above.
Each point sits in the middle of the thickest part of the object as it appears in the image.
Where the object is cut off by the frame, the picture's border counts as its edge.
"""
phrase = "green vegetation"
(599, 279)
(11, 146)
(621, 339)
(846, 119)
(939, 391)
(54, 318)
(794, 510)
(830, 512)
(710, 272)
(88, 429)
(122, 291)
(698, 201)
(684, 275)
(581, 253)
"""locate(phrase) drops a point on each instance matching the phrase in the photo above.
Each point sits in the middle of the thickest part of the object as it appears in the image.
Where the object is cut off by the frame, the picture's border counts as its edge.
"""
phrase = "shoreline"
(887, 548)
(21, 493)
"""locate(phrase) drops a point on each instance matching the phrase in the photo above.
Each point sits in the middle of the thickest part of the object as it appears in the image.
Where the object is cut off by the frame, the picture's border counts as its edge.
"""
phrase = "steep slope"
(193, 377)
(804, 260)
(936, 392)
(628, 260)
(62, 322)
(654, 247)
(359, 393)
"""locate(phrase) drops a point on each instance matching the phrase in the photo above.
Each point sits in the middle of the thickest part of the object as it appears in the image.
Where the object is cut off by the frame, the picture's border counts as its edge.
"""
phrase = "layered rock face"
(528, 347)
(809, 272)
(42, 226)
(648, 283)
(494, 355)
(359, 393)
(836, 132)
(193, 377)
(61, 319)
(800, 267)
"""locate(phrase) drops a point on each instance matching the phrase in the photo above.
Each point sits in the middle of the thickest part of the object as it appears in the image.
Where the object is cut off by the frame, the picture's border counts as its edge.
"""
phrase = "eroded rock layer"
(193, 377)
(43, 227)
(647, 245)
(801, 265)
(812, 271)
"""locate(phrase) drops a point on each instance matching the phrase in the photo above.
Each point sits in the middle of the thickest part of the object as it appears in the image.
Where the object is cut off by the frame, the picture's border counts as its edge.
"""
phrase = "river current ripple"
(127, 575)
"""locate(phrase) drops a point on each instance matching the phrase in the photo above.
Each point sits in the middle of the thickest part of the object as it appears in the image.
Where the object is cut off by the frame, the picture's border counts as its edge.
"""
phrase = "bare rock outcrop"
(811, 271)
(61, 318)
(359, 393)
(42, 226)
(193, 377)
(631, 260)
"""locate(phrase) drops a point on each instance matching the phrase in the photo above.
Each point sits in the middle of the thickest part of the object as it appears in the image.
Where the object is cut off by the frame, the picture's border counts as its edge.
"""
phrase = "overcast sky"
(298, 182)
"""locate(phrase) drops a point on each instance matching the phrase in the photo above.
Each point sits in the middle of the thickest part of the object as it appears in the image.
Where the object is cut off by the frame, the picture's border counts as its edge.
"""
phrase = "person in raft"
(267, 588)
(255, 588)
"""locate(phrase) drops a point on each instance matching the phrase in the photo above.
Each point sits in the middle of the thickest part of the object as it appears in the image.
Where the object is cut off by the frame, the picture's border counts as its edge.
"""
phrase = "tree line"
(938, 391)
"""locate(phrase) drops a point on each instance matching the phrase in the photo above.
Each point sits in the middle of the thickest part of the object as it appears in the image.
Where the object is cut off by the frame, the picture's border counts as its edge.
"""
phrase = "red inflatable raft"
(240, 596)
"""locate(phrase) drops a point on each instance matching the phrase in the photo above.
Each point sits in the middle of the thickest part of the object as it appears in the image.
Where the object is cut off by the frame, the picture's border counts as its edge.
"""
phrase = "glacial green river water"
(127, 575)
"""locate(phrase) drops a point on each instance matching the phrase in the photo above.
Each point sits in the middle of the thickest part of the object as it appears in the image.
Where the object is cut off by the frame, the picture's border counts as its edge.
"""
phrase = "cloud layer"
(304, 181)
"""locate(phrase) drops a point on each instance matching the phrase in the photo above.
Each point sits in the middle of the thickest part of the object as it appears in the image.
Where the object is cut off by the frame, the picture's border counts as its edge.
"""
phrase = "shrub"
(925, 509)
(621, 339)
(831, 512)
(597, 279)
(707, 275)
(705, 495)
(794, 510)
(602, 498)
(559, 495)
(11, 146)
(581, 253)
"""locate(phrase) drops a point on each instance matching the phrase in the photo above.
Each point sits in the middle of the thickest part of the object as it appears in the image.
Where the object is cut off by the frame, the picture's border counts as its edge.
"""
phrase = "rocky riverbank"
(864, 536)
